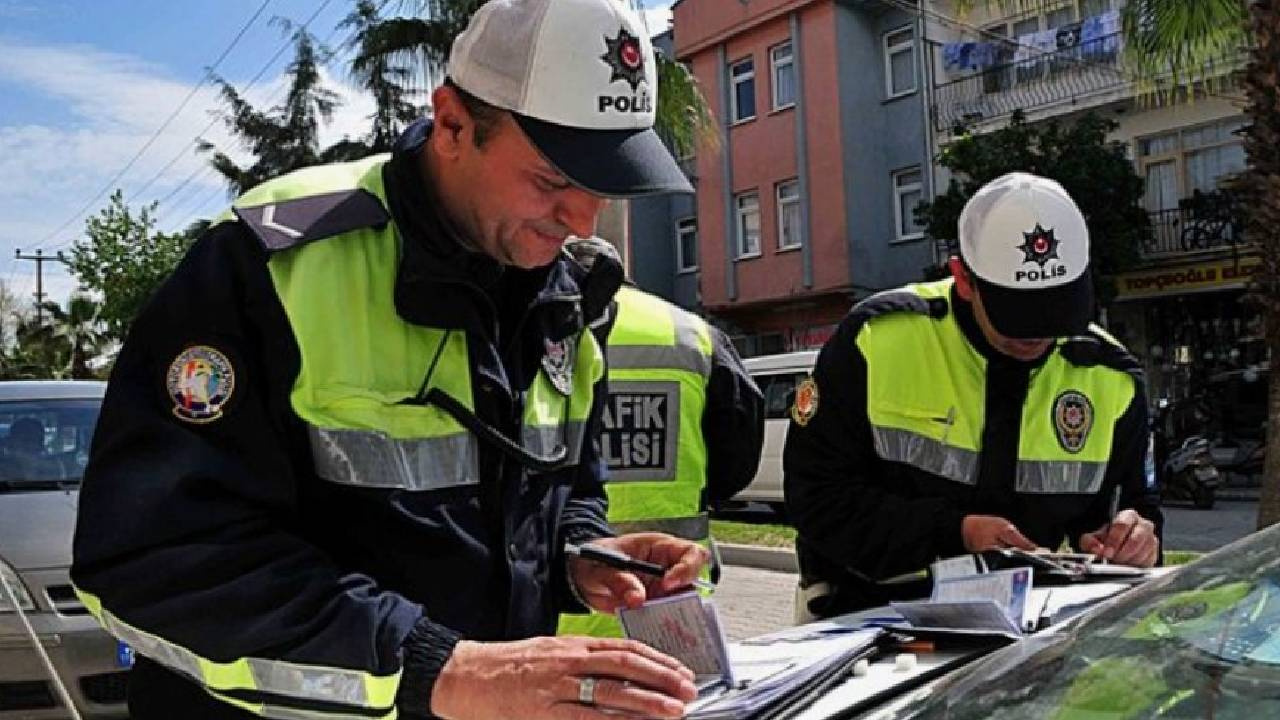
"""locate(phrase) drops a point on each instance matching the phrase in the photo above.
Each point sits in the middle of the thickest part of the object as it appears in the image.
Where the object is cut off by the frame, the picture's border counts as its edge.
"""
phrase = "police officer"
(979, 412)
(683, 423)
(344, 447)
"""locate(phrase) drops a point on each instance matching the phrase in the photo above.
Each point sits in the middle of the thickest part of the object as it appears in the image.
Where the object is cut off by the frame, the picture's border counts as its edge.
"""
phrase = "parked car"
(777, 376)
(45, 431)
(1202, 642)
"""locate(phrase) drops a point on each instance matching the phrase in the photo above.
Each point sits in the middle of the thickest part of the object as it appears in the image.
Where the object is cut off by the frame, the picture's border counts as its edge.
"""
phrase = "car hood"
(36, 528)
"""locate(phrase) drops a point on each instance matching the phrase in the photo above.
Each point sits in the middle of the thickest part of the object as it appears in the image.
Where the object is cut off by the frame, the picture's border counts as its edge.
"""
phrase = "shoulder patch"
(287, 224)
(805, 405)
(200, 382)
(893, 301)
(1096, 347)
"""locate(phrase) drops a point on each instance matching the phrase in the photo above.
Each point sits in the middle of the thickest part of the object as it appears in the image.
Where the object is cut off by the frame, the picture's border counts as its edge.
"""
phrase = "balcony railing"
(1205, 221)
(1067, 74)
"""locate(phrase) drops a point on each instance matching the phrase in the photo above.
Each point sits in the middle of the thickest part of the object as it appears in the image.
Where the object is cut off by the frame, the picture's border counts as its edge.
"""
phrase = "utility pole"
(39, 259)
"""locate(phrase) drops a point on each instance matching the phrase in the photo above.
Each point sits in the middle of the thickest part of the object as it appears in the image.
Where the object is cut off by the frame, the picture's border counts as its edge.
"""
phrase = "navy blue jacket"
(220, 537)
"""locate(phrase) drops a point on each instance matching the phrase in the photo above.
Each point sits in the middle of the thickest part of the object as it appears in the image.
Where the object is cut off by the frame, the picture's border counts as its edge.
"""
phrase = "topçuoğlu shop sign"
(1205, 277)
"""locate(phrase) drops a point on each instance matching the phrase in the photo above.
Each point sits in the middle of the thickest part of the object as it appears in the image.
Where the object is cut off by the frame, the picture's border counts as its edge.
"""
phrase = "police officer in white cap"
(345, 447)
(983, 411)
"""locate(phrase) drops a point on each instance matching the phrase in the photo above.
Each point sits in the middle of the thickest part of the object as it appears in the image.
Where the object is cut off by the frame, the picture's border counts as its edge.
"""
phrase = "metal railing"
(1067, 74)
(1205, 221)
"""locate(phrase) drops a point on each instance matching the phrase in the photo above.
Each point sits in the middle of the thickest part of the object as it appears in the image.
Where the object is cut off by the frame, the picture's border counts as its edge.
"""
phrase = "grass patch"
(741, 533)
(1180, 557)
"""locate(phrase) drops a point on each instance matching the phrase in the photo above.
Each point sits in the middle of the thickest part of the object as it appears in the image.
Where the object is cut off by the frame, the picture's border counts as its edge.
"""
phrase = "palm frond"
(683, 118)
(1174, 45)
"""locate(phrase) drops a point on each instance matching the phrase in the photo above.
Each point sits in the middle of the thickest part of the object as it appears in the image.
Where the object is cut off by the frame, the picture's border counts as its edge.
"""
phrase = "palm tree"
(378, 73)
(419, 43)
(79, 329)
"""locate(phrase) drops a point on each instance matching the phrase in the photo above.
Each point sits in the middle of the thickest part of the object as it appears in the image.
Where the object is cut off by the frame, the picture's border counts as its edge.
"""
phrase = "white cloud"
(111, 105)
(657, 19)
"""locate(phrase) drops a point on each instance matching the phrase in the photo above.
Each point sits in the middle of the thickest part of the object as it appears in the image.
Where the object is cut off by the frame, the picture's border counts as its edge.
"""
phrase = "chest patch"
(200, 381)
(1072, 420)
(558, 364)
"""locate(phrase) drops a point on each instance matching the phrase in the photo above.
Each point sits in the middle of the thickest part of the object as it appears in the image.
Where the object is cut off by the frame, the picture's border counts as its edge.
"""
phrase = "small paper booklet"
(759, 681)
(686, 627)
(994, 602)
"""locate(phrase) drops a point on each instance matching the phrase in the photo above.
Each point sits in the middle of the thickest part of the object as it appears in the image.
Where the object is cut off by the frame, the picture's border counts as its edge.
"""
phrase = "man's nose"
(577, 209)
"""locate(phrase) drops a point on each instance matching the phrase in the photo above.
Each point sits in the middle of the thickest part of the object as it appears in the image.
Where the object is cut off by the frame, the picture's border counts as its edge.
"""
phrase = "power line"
(155, 135)
(181, 153)
(284, 46)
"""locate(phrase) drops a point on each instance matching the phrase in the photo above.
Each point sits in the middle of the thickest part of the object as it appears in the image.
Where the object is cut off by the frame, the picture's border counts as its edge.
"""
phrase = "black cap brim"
(1054, 312)
(612, 163)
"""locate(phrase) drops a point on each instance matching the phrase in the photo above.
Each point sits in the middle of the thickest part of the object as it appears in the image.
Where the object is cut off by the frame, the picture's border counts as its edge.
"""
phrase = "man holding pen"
(978, 412)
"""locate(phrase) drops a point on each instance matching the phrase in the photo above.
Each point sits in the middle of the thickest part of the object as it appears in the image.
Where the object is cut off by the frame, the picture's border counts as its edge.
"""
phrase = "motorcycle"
(1185, 471)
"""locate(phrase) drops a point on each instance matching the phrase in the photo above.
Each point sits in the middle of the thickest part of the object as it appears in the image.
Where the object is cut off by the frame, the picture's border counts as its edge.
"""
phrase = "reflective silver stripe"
(1054, 477)
(650, 357)
(544, 439)
(697, 527)
(171, 656)
(269, 676)
(280, 712)
(927, 454)
(373, 459)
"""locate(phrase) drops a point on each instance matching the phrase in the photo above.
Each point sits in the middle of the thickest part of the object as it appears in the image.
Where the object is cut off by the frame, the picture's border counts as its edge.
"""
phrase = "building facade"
(1182, 308)
(806, 204)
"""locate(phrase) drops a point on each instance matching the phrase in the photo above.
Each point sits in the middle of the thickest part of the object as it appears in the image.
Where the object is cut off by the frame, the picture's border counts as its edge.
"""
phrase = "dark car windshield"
(44, 444)
(1202, 643)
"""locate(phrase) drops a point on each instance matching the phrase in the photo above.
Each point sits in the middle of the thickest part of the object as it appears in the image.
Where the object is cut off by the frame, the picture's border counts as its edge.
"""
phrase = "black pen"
(621, 561)
(1111, 516)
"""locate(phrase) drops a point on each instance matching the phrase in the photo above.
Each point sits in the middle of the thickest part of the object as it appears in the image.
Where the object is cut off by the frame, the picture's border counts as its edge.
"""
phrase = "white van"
(777, 376)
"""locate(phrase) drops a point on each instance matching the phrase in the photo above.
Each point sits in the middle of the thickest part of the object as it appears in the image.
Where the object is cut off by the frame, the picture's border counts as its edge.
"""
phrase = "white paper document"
(993, 601)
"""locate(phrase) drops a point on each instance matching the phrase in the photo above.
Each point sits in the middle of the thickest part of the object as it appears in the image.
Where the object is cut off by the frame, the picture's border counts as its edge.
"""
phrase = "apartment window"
(742, 76)
(790, 233)
(687, 244)
(900, 62)
(1176, 164)
(784, 76)
(747, 230)
(908, 192)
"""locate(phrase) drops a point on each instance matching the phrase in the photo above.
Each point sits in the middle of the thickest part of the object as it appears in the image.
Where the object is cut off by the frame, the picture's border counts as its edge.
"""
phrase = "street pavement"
(752, 601)
(1186, 528)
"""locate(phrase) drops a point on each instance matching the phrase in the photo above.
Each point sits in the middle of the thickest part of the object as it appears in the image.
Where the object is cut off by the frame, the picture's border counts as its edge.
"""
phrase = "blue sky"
(85, 84)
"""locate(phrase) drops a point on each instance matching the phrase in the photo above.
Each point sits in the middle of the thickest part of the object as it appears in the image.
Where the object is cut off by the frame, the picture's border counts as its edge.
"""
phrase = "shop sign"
(1218, 275)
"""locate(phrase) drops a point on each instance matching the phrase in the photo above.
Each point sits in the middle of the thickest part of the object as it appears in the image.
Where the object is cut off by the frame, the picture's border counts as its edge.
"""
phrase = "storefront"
(1189, 323)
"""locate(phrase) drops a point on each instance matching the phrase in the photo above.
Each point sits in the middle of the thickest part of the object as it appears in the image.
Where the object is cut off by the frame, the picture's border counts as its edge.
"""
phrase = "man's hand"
(989, 532)
(1129, 540)
(541, 677)
(606, 589)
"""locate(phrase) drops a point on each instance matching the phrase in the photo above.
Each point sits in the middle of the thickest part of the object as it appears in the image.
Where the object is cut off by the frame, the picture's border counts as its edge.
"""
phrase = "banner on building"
(1228, 274)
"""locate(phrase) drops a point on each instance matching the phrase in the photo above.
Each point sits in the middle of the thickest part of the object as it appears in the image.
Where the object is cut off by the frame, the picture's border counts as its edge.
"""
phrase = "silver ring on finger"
(587, 690)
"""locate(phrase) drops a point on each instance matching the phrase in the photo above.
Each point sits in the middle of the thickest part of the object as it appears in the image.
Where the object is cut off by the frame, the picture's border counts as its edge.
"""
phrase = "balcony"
(1068, 75)
(1203, 222)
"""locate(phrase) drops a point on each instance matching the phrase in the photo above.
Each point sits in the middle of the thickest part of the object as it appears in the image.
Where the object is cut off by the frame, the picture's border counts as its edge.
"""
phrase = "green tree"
(286, 137)
(1096, 173)
(123, 259)
(420, 43)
